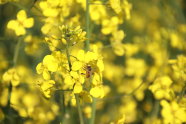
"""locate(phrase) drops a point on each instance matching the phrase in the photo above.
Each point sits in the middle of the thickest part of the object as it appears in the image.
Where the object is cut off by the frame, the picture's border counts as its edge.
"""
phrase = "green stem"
(15, 57)
(18, 5)
(87, 48)
(87, 43)
(156, 109)
(68, 58)
(92, 119)
(62, 107)
(79, 109)
(76, 96)
(16, 52)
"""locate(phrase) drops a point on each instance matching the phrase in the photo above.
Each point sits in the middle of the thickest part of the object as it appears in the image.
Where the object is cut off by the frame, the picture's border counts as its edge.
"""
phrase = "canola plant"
(92, 62)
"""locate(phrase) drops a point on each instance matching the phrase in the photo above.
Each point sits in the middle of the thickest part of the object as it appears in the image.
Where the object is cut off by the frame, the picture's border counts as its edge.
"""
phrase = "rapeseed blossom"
(11, 76)
(90, 65)
(172, 112)
(115, 4)
(21, 23)
(161, 87)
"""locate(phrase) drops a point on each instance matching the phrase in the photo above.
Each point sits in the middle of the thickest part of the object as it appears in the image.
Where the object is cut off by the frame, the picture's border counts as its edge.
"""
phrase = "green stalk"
(16, 52)
(87, 48)
(76, 96)
(87, 42)
(79, 109)
(15, 58)
(93, 114)
(68, 58)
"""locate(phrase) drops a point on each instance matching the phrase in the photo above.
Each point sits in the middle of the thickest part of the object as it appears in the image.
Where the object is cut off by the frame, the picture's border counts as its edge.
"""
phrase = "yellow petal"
(43, 5)
(100, 65)
(81, 79)
(15, 82)
(47, 84)
(115, 4)
(46, 75)
(78, 88)
(74, 74)
(15, 79)
(50, 12)
(119, 50)
(46, 28)
(28, 23)
(7, 77)
(96, 79)
(97, 92)
(81, 55)
(68, 80)
(12, 24)
(20, 30)
(90, 56)
(115, 21)
(21, 15)
(76, 65)
(51, 63)
(39, 68)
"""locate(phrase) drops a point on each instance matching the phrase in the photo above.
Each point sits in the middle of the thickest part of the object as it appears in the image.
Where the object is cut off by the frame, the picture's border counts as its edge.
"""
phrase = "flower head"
(21, 23)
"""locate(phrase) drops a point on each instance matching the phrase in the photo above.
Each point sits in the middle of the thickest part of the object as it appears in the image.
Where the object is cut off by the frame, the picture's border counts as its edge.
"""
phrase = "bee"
(88, 70)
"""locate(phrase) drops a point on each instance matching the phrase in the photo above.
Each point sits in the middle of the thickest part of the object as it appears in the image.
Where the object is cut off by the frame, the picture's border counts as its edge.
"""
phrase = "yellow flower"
(88, 60)
(126, 6)
(116, 40)
(32, 46)
(97, 13)
(46, 87)
(134, 64)
(109, 25)
(72, 35)
(161, 87)
(179, 67)
(21, 23)
(11, 76)
(173, 113)
(51, 63)
(97, 92)
(41, 69)
(115, 4)
(69, 35)
(88, 66)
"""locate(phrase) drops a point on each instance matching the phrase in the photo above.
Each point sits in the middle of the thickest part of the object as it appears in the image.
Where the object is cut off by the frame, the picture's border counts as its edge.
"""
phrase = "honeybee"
(88, 70)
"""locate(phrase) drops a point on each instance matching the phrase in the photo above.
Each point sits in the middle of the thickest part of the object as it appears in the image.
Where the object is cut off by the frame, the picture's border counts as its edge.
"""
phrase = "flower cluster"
(68, 36)
(81, 72)
(161, 87)
(172, 112)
